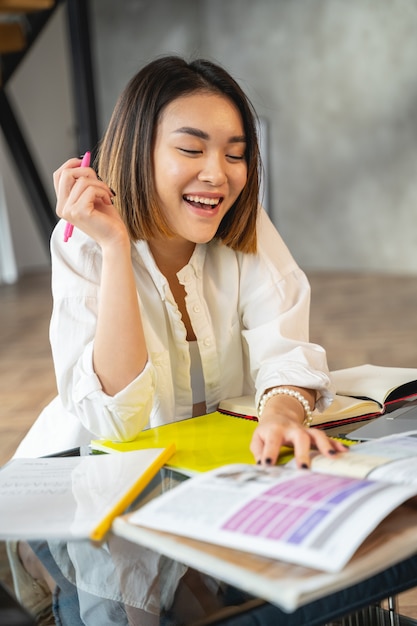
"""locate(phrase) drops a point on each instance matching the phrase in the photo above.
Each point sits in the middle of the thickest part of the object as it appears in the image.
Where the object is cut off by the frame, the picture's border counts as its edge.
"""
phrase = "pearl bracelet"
(277, 391)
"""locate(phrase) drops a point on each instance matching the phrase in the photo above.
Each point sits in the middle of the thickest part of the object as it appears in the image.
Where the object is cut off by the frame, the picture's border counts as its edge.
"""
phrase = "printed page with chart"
(326, 522)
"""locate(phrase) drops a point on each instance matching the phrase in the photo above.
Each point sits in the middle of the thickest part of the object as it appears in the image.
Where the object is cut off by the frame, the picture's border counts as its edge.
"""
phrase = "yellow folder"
(202, 443)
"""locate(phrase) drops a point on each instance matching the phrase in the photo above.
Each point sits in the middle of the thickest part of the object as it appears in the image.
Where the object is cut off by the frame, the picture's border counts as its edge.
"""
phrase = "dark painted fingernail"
(304, 466)
(268, 461)
(258, 462)
(332, 451)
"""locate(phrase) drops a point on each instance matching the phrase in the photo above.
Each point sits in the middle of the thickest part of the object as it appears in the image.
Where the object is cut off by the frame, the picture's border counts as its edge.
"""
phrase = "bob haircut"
(125, 154)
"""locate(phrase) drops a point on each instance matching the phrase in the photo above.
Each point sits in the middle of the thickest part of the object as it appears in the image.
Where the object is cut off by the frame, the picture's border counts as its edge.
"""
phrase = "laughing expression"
(199, 164)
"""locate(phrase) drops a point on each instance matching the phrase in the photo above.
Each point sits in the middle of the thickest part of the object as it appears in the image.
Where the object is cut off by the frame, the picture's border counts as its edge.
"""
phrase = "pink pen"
(69, 227)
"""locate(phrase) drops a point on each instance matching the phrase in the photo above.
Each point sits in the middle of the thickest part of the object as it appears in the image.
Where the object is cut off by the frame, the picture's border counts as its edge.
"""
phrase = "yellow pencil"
(104, 526)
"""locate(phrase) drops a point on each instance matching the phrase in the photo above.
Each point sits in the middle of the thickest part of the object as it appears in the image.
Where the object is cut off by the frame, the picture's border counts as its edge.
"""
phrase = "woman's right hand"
(120, 353)
(86, 202)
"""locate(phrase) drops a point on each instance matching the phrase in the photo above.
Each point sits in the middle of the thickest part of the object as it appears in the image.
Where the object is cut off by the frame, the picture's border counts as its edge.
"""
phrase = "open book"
(318, 519)
(362, 392)
(72, 497)
(282, 583)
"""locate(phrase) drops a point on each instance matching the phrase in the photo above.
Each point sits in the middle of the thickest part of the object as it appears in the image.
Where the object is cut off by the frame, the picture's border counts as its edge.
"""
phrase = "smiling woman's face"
(199, 164)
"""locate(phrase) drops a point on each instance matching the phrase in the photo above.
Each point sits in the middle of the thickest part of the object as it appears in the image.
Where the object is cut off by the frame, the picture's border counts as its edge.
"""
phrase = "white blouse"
(250, 315)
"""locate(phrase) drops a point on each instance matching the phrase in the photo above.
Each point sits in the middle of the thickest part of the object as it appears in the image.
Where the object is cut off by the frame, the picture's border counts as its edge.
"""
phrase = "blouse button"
(196, 308)
(207, 342)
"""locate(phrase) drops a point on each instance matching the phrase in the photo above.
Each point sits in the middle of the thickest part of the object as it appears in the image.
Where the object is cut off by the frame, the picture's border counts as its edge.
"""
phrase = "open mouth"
(200, 202)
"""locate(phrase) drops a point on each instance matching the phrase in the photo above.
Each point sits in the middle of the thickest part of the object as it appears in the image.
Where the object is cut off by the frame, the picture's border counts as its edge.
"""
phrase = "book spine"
(252, 418)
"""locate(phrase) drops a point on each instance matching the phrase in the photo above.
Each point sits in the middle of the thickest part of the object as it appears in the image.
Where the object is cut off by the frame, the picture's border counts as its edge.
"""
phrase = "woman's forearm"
(119, 346)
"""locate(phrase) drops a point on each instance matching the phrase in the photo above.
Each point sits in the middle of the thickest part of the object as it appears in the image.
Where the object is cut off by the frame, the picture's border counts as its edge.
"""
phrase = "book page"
(387, 454)
(372, 381)
(341, 407)
(346, 464)
(68, 498)
(402, 472)
(317, 520)
(344, 407)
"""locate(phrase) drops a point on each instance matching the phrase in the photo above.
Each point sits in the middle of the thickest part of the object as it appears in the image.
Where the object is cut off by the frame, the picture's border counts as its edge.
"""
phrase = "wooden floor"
(26, 373)
(358, 318)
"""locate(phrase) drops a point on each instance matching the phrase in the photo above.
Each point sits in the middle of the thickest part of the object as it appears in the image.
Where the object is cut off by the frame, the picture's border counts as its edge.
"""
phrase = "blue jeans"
(73, 607)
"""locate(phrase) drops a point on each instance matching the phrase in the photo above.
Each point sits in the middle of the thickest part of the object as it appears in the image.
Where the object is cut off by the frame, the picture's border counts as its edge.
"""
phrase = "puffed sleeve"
(76, 268)
(275, 309)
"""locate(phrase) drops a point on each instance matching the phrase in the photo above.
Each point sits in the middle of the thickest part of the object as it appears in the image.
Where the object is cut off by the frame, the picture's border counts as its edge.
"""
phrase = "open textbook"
(72, 497)
(284, 584)
(315, 518)
(362, 392)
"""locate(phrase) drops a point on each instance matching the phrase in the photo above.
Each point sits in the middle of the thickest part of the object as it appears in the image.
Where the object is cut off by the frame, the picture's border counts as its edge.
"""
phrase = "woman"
(175, 290)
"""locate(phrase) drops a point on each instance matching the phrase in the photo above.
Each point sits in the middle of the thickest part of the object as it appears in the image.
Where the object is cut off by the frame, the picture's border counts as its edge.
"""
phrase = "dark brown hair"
(125, 154)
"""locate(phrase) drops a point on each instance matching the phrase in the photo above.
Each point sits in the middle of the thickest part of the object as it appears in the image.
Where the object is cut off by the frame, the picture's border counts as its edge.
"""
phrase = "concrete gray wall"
(336, 81)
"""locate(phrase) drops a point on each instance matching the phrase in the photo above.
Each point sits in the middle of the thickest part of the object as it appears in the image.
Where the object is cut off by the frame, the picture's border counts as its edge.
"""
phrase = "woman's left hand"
(281, 425)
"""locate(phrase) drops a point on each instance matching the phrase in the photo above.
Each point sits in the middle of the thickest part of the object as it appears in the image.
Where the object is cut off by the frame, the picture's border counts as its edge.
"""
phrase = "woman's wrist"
(287, 392)
(116, 243)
